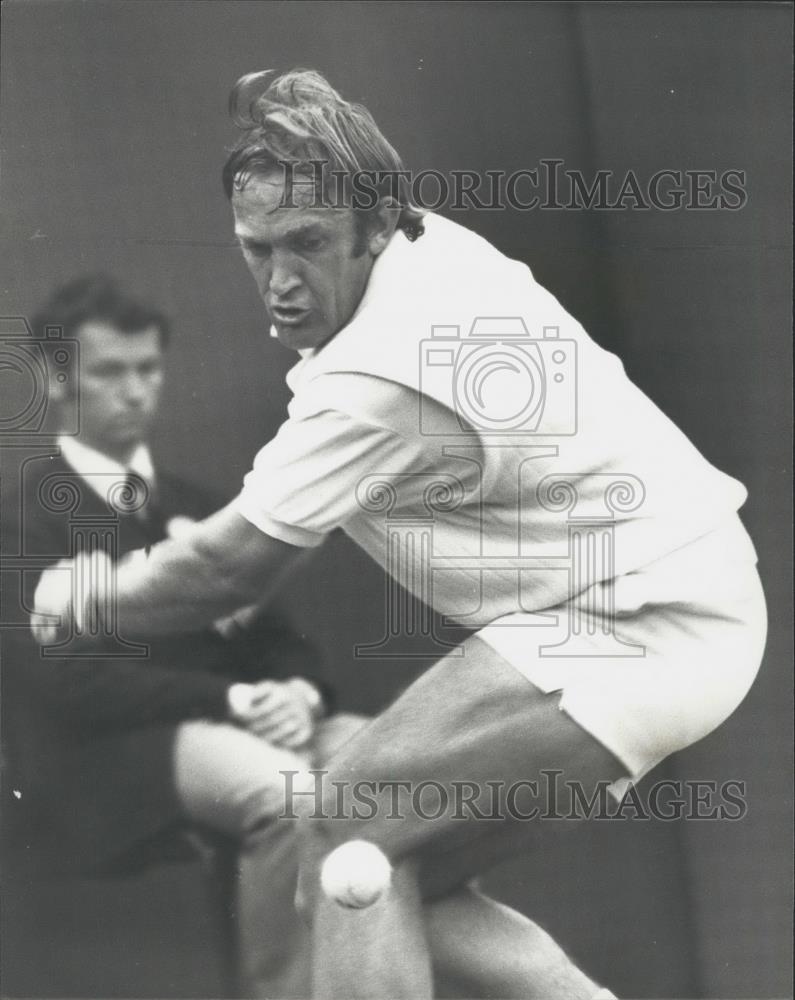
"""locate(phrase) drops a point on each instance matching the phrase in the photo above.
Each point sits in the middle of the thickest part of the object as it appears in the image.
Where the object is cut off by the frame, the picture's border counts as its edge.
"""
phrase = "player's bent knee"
(273, 794)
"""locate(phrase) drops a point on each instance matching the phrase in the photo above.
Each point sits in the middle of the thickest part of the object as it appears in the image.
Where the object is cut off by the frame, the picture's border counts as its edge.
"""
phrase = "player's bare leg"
(473, 718)
(481, 948)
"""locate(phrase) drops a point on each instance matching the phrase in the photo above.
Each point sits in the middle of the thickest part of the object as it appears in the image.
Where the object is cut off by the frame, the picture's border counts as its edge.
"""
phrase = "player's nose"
(284, 277)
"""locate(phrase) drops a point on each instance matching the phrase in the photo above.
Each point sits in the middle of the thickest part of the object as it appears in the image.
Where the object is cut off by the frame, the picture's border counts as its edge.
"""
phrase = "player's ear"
(382, 224)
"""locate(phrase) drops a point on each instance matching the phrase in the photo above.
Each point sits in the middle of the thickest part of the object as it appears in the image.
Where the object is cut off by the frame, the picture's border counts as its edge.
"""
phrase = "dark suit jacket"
(88, 742)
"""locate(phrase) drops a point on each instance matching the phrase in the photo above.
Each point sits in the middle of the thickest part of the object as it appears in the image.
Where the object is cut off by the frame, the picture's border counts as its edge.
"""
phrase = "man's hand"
(281, 712)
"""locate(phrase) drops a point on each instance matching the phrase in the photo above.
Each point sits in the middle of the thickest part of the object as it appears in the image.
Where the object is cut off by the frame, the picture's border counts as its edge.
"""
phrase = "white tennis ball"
(355, 874)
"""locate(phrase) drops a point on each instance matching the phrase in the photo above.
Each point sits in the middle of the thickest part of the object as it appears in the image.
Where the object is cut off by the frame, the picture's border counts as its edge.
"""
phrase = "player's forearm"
(179, 586)
(222, 564)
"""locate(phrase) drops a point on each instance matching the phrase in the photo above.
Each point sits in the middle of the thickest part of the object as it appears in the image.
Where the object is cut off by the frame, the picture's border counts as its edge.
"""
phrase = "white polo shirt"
(372, 404)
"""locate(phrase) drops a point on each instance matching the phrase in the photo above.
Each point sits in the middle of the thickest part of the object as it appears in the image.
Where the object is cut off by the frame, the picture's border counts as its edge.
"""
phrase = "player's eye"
(257, 249)
(311, 243)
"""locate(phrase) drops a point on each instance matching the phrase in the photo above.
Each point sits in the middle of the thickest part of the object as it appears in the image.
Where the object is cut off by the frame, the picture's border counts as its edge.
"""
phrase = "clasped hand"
(276, 711)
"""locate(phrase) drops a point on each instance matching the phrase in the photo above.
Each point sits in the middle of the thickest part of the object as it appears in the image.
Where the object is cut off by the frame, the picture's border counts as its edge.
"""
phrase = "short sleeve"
(303, 482)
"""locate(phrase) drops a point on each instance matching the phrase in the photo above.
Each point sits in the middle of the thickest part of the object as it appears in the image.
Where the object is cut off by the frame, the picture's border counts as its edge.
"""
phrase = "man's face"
(302, 259)
(121, 375)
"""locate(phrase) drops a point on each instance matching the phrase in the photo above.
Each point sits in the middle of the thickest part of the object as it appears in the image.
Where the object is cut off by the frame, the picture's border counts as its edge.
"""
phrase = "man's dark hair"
(297, 122)
(96, 298)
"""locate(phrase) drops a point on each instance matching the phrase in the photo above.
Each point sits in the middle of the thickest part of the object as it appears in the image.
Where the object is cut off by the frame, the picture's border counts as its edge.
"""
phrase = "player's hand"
(51, 620)
(276, 711)
(71, 596)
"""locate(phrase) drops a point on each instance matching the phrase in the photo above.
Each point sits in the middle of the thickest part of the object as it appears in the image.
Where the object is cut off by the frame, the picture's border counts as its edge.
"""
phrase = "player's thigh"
(473, 726)
(228, 779)
(332, 733)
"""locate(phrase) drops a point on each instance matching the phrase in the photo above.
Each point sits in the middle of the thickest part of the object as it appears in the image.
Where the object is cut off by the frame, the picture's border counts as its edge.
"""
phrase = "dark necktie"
(141, 504)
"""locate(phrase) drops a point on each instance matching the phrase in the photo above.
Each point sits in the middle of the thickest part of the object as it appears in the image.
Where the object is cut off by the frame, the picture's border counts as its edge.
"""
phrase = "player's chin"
(300, 336)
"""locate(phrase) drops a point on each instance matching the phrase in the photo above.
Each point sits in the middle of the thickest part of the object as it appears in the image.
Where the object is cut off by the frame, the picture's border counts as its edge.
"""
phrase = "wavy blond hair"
(298, 121)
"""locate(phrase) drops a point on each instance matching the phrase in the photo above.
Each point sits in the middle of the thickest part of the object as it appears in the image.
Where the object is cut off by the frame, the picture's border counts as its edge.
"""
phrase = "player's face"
(302, 258)
(121, 375)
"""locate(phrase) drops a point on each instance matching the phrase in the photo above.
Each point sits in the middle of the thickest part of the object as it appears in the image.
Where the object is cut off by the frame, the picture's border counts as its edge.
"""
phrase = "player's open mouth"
(288, 315)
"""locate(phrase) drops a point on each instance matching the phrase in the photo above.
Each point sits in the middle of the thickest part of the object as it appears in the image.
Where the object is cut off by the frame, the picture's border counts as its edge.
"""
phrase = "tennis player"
(613, 590)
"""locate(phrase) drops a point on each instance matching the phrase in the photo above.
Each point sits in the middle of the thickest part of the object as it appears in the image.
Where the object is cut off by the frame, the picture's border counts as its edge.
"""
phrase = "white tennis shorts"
(685, 645)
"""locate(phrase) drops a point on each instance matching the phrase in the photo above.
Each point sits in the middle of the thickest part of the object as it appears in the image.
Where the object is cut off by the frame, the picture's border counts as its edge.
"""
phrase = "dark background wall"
(114, 127)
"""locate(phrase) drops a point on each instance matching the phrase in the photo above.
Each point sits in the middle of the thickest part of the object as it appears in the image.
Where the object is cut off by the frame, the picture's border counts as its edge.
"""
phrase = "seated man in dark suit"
(108, 751)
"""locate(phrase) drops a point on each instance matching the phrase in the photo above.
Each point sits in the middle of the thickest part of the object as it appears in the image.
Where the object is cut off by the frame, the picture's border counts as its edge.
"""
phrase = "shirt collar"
(95, 467)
